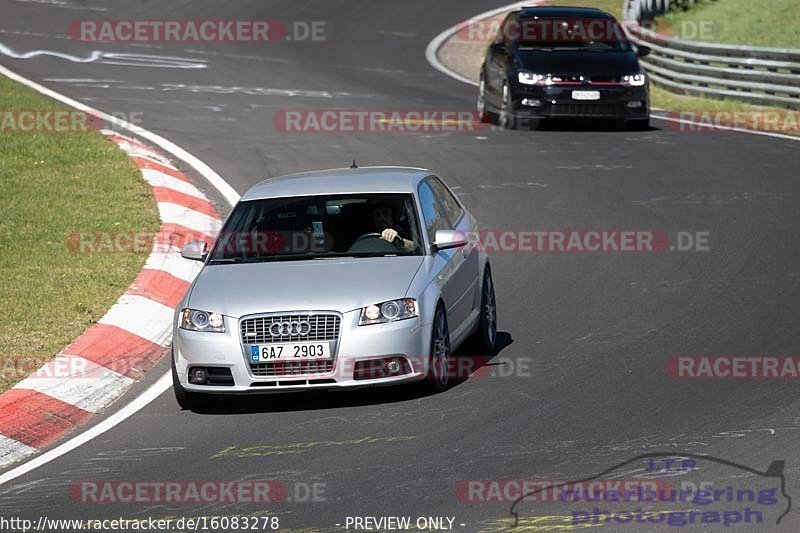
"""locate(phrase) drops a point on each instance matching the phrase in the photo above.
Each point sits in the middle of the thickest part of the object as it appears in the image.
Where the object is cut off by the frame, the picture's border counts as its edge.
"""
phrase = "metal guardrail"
(758, 75)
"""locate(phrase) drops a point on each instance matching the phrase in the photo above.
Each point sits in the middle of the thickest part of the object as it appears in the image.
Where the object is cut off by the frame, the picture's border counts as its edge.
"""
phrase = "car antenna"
(354, 165)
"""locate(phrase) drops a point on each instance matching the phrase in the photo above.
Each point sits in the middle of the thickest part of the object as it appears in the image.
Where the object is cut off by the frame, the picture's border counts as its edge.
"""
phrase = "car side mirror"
(195, 251)
(498, 47)
(447, 238)
(642, 50)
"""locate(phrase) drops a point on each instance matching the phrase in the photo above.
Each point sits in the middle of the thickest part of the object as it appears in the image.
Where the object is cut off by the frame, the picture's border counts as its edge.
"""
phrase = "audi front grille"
(324, 327)
(309, 327)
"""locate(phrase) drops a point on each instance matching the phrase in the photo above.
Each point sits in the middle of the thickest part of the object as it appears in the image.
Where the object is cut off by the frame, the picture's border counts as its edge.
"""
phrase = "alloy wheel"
(441, 350)
(490, 310)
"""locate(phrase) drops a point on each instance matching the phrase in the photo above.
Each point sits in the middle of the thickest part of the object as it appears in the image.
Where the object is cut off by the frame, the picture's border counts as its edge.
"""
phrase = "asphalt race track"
(580, 384)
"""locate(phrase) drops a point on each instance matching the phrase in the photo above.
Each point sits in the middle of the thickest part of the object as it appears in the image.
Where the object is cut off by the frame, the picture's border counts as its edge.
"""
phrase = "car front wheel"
(483, 115)
(486, 335)
(438, 378)
(507, 119)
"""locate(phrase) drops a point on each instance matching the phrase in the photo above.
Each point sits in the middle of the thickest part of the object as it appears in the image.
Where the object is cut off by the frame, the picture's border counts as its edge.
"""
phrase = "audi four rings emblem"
(295, 327)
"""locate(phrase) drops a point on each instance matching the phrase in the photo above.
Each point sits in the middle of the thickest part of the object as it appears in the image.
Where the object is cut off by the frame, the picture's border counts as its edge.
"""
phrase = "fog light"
(385, 367)
(198, 376)
(531, 102)
(634, 104)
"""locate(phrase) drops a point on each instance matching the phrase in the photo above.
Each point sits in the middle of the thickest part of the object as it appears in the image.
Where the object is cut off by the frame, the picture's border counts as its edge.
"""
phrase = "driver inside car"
(383, 220)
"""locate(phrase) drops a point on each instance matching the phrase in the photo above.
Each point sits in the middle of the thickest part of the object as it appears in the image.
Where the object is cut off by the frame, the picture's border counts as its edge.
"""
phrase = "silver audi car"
(334, 279)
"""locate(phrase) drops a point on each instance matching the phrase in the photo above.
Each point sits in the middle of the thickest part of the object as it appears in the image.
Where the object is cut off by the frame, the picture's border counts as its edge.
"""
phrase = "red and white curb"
(101, 364)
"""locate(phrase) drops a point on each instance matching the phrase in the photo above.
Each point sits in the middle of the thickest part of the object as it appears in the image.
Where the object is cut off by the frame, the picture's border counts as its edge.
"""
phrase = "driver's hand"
(389, 235)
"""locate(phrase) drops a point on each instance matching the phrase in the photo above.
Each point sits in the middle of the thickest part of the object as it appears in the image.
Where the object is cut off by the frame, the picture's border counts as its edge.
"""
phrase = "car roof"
(563, 11)
(383, 179)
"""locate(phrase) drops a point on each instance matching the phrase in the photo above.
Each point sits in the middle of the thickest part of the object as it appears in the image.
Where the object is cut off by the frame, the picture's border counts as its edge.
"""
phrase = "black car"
(556, 62)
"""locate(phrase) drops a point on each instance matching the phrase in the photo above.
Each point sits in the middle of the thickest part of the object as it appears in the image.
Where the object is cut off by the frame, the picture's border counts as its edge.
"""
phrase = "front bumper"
(409, 339)
(556, 101)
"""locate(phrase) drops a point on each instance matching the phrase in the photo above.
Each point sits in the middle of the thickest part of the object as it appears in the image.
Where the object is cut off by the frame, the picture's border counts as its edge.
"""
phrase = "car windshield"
(554, 34)
(319, 227)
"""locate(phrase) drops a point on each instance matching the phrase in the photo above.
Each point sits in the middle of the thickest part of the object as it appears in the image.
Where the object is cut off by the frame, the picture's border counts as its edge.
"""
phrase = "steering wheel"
(368, 236)
(373, 242)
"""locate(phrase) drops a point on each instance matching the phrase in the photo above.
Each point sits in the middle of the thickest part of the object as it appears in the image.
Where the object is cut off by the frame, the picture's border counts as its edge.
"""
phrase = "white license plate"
(586, 95)
(290, 351)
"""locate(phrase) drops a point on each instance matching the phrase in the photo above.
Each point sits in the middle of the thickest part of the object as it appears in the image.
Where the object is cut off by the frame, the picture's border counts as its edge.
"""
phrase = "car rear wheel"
(486, 335)
(535, 123)
(187, 400)
(438, 378)
(507, 119)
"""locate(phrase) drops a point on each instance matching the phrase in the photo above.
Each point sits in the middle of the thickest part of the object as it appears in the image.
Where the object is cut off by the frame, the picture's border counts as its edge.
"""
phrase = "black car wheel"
(507, 118)
(486, 335)
(438, 378)
(535, 123)
(484, 116)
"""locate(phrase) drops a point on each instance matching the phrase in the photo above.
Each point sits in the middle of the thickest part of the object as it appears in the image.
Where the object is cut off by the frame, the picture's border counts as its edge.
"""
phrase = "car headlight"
(635, 80)
(388, 311)
(530, 78)
(196, 320)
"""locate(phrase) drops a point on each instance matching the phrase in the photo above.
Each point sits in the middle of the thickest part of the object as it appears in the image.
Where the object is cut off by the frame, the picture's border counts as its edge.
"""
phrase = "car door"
(450, 276)
(468, 273)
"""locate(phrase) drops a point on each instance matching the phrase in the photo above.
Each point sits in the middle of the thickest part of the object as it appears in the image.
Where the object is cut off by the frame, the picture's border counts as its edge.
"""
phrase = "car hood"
(579, 63)
(323, 285)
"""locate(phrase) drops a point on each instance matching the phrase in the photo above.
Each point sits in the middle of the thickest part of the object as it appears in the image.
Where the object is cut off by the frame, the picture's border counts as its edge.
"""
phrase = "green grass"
(663, 99)
(51, 185)
(748, 22)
